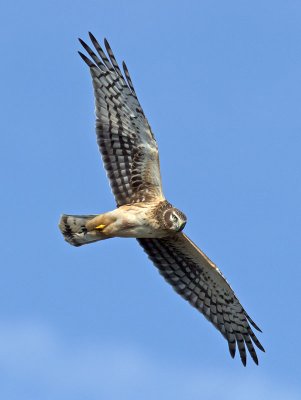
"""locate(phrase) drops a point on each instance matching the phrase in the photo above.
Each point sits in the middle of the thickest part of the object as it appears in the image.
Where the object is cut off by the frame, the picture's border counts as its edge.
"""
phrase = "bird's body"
(131, 159)
(138, 220)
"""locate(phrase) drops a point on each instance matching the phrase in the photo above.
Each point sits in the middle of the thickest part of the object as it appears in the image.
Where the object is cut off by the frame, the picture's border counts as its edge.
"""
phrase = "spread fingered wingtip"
(86, 60)
(253, 323)
(84, 44)
(128, 78)
(81, 42)
(91, 35)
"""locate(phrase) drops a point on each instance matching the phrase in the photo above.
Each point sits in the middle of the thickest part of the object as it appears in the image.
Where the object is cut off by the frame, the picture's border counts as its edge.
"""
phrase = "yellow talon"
(101, 227)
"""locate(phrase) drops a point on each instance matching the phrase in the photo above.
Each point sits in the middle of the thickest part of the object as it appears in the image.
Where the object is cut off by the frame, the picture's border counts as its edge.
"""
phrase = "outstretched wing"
(199, 281)
(126, 142)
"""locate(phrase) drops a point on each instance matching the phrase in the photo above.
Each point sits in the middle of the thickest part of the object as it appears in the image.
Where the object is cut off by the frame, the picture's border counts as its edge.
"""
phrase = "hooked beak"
(182, 226)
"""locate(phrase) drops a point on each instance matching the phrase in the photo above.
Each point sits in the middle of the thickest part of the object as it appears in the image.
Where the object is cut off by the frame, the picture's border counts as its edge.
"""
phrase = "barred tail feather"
(73, 228)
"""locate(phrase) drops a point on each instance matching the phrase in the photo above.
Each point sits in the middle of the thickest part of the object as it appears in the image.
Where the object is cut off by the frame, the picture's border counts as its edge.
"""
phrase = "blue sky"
(220, 84)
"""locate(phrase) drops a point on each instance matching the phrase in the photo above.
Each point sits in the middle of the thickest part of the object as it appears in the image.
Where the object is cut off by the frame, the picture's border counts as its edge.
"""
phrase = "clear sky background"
(220, 84)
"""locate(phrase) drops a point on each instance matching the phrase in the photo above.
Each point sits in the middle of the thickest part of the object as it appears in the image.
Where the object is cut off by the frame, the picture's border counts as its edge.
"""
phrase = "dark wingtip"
(232, 348)
(82, 43)
(255, 326)
(91, 35)
(259, 345)
(254, 356)
(107, 46)
(93, 38)
(253, 323)
(243, 357)
(87, 60)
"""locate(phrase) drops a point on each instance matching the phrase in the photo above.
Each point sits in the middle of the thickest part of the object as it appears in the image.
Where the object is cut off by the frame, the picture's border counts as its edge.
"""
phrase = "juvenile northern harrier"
(130, 156)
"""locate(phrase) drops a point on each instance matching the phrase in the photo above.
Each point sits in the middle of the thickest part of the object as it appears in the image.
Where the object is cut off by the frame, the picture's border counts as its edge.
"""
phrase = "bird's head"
(174, 219)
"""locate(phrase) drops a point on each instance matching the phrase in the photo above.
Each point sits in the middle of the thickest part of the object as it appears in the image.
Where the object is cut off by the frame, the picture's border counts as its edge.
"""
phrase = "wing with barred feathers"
(126, 142)
(200, 282)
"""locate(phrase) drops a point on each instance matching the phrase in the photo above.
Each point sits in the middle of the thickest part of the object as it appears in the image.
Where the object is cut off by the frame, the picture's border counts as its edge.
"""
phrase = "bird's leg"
(100, 222)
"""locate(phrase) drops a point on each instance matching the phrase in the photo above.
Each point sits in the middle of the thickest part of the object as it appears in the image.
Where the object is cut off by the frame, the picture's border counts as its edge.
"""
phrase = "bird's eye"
(174, 218)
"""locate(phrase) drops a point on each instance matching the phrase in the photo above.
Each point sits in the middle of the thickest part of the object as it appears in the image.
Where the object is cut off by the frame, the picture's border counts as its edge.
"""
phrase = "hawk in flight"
(130, 156)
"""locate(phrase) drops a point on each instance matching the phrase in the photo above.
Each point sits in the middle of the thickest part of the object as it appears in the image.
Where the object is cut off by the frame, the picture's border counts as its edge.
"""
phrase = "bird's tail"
(73, 228)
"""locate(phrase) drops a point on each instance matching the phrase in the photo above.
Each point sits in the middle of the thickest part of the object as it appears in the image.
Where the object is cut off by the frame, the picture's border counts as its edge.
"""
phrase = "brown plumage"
(130, 156)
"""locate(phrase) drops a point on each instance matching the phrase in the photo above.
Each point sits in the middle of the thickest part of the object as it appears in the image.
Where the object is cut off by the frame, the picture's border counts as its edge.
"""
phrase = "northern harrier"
(130, 156)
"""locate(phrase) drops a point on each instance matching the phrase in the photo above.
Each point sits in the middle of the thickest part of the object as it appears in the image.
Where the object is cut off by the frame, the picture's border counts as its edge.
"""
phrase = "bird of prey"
(130, 156)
